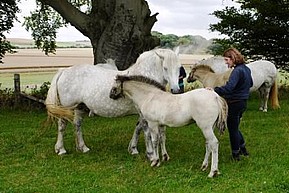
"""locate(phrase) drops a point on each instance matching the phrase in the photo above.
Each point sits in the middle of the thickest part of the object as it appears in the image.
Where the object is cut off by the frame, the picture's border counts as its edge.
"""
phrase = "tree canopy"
(117, 29)
(8, 10)
(259, 29)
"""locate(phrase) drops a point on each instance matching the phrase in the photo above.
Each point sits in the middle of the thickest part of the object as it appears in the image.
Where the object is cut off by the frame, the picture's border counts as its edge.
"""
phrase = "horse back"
(262, 71)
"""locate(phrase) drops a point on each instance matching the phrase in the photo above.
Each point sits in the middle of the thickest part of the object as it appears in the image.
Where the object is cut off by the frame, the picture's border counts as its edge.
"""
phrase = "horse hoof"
(265, 110)
(214, 174)
(166, 157)
(204, 167)
(83, 149)
(60, 151)
(155, 163)
(133, 151)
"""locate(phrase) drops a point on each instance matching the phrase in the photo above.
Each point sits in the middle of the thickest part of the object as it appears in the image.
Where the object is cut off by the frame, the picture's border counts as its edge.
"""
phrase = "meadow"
(29, 163)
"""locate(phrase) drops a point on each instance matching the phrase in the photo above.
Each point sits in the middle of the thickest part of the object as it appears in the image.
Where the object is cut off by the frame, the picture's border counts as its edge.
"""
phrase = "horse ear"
(177, 50)
(193, 66)
(159, 55)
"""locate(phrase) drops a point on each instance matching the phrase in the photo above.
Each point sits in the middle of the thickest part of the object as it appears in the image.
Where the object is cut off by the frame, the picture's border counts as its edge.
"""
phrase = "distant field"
(29, 43)
(29, 80)
(35, 67)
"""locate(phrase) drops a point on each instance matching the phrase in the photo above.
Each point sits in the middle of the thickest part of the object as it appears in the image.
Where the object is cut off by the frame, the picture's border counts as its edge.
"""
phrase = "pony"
(90, 85)
(160, 108)
(264, 75)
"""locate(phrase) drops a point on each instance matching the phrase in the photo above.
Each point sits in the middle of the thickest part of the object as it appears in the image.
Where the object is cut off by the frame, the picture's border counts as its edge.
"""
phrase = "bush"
(42, 92)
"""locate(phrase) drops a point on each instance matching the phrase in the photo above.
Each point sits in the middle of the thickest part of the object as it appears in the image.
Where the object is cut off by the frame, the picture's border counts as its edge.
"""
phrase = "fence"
(18, 94)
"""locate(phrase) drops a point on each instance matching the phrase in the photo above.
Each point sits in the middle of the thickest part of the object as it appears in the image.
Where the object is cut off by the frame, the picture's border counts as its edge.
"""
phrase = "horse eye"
(165, 68)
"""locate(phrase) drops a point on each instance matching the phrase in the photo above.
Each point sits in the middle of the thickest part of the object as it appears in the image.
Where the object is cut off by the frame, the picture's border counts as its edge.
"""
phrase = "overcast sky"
(179, 17)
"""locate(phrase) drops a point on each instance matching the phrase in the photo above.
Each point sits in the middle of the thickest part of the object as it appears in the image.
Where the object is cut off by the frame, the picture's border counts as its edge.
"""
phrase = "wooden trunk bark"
(125, 31)
(117, 29)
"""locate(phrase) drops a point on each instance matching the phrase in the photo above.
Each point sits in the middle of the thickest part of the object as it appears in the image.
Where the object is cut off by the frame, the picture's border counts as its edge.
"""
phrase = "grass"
(27, 80)
(28, 162)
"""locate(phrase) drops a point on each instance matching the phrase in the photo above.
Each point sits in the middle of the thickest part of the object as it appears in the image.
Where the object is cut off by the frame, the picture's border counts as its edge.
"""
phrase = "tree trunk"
(117, 29)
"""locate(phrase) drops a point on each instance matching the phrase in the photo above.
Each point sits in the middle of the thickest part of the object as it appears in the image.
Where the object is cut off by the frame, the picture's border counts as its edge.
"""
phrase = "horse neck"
(150, 69)
(203, 75)
(139, 92)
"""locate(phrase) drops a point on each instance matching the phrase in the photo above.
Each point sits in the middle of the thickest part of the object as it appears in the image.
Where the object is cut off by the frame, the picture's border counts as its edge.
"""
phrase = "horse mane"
(142, 79)
(204, 67)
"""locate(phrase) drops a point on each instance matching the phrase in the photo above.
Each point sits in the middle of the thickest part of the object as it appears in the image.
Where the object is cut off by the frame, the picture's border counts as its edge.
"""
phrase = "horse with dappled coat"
(264, 75)
(91, 84)
(160, 108)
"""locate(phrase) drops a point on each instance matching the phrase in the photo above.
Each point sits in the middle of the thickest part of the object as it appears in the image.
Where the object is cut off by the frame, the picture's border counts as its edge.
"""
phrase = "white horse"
(264, 75)
(216, 63)
(110, 64)
(160, 108)
(90, 85)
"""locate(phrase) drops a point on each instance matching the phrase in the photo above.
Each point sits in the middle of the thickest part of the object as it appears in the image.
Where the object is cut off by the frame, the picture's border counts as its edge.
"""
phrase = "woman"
(181, 79)
(236, 93)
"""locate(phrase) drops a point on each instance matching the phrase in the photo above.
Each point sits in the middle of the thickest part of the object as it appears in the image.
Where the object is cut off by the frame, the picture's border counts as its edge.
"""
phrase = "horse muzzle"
(114, 94)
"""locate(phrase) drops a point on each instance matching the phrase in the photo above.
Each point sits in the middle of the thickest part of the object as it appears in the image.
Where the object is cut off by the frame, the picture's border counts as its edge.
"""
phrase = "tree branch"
(71, 14)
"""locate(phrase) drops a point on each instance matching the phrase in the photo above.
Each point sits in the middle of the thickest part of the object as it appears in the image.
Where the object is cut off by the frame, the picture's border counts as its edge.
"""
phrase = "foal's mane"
(142, 79)
(204, 67)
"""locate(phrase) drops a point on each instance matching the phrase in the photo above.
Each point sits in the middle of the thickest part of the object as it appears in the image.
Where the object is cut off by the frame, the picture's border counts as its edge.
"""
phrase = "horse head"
(116, 91)
(197, 70)
(171, 67)
(191, 78)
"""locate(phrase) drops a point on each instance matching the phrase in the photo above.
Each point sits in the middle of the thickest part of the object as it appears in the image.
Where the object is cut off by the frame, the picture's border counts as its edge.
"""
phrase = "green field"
(29, 79)
(29, 164)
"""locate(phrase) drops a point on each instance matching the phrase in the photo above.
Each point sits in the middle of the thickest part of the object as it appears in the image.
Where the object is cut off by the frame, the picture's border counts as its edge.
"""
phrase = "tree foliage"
(44, 23)
(259, 28)
(188, 44)
(117, 29)
(8, 10)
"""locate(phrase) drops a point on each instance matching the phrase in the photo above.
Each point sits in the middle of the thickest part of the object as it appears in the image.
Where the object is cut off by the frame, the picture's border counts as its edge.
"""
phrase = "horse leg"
(264, 95)
(132, 147)
(148, 141)
(59, 147)
(80, 145)
(212, 145)
(266, 98)
(154, 131)
(205, 163)
(262, 98)
(162, 132)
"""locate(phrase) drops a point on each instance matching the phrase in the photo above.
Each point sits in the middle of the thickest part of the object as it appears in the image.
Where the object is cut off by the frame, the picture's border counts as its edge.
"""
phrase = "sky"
(179, 17)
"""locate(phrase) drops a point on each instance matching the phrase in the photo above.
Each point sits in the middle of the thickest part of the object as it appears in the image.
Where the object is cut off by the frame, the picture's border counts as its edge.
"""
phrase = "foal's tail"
(274, 96)
(52, 102)
(221, 122)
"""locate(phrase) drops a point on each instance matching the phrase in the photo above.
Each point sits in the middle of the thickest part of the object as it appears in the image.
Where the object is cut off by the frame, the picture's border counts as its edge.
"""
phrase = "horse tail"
(274, 96)
(221, 122)
(54, 109)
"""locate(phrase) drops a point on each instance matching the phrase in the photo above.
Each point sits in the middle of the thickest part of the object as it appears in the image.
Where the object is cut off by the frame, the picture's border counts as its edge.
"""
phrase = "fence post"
(17, 88)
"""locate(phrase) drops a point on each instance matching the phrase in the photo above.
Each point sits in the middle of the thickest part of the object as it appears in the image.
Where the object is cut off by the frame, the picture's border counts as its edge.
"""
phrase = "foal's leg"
(162, 135)
(80, 145)
(59, 147)
(212, 145)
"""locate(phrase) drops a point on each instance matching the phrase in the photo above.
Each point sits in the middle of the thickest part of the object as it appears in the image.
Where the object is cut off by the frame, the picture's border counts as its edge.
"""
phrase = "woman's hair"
(235, 56)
